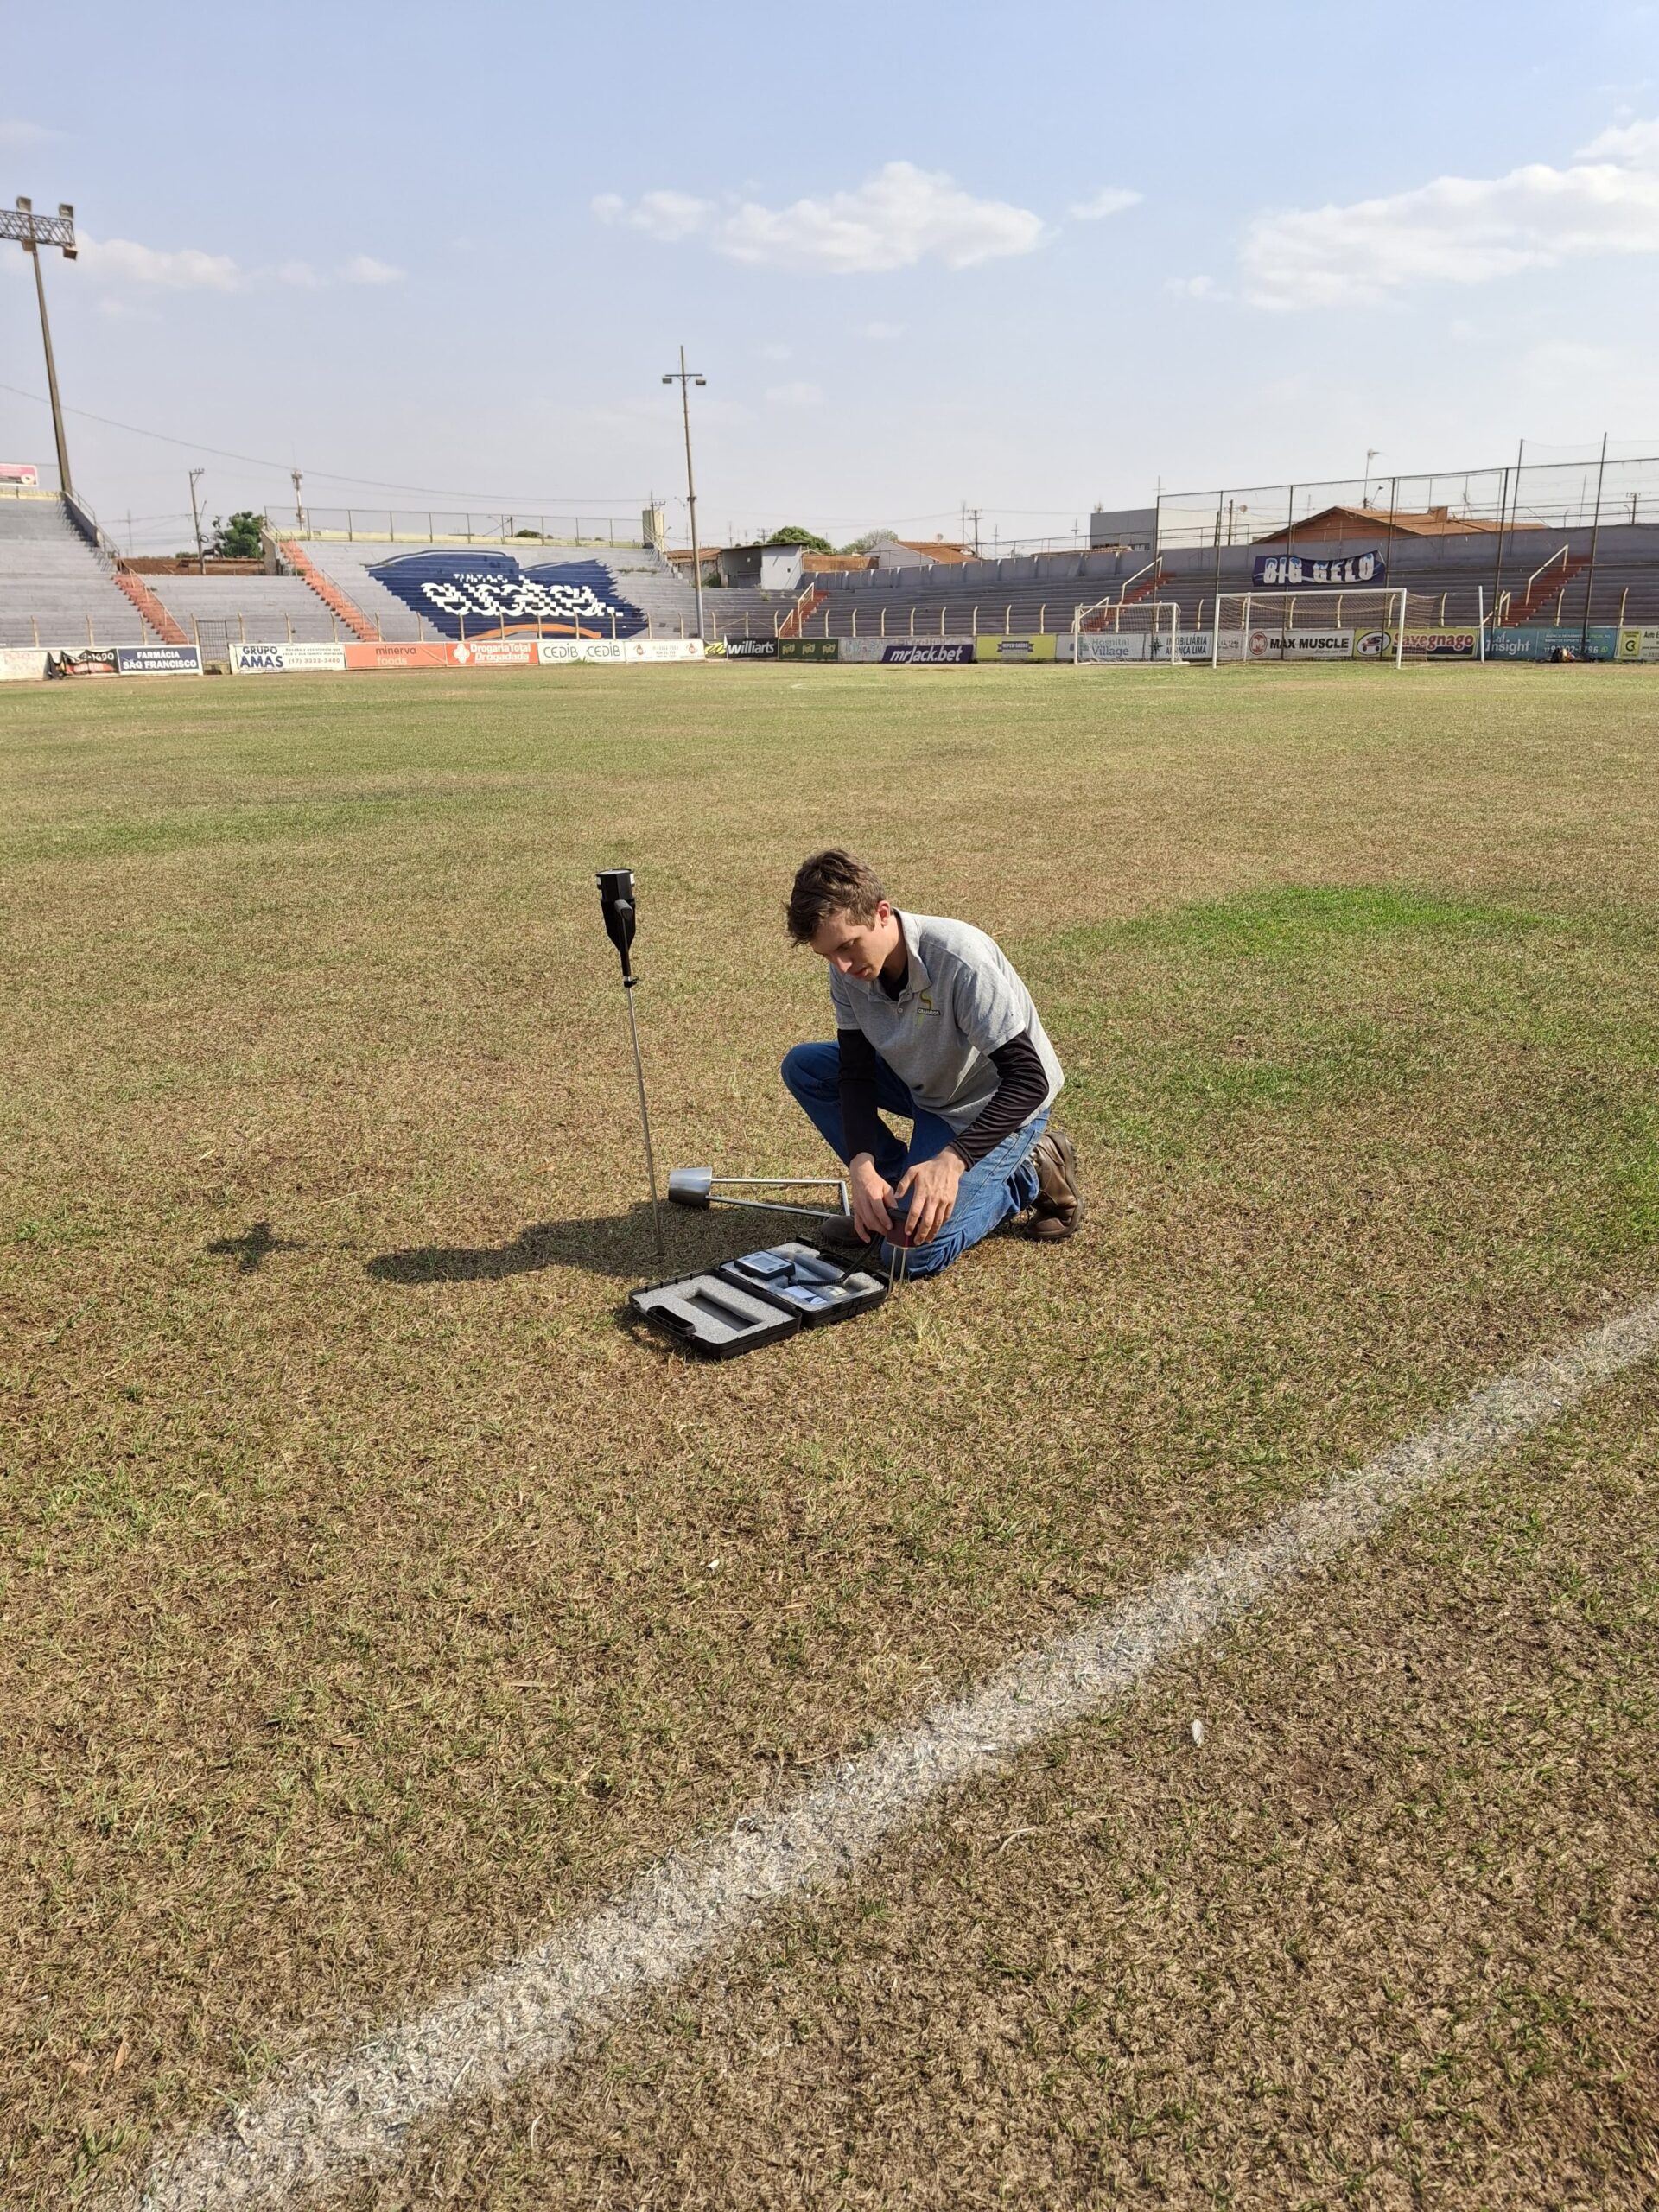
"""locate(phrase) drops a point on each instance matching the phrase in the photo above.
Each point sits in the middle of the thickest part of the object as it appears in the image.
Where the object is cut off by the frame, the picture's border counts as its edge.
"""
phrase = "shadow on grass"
(250, 1249)
(606, 1244)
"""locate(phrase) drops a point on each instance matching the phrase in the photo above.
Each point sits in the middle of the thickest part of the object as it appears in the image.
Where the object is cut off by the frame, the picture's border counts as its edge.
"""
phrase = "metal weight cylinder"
(690, 1187)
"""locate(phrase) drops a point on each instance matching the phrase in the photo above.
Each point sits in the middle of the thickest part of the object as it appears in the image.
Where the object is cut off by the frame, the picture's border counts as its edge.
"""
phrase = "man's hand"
(931, 1186)
(869, 1193)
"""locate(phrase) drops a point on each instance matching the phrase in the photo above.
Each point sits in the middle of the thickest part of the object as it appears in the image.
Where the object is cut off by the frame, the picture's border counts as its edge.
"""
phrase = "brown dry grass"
(371, 1597)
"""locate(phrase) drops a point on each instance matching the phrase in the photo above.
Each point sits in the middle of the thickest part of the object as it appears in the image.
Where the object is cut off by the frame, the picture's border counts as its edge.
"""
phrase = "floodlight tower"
(685, 378)
(32, 231)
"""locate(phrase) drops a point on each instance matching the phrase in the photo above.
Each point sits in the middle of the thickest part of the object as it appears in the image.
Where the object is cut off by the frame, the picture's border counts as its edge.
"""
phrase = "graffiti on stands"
(463, 592)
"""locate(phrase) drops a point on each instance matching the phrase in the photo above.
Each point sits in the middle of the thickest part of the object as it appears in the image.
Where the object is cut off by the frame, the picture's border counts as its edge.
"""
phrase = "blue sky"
(924, 254)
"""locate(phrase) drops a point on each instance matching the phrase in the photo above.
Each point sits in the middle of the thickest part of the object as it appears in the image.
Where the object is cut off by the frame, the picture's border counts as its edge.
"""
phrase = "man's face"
(856, 948)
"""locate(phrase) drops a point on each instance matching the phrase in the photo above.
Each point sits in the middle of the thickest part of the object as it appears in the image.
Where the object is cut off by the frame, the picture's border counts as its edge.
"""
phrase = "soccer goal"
(1114, 630)
(1265, 626)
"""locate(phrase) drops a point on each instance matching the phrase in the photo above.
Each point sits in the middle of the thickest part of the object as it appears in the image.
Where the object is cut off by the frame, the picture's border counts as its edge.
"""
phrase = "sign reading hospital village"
(491, 595)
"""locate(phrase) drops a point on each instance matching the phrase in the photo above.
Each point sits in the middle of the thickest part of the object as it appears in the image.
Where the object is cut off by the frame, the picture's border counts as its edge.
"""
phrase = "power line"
(333, 476)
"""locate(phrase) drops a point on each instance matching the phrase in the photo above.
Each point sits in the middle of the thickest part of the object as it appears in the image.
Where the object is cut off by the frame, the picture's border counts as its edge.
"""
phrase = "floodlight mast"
(685, 378)
(32, 231)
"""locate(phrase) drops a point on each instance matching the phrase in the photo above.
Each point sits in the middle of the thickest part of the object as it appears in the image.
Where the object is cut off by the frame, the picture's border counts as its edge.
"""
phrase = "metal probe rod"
(645, 1120)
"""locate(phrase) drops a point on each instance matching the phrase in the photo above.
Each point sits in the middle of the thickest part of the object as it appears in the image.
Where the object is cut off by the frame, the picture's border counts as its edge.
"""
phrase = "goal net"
(1268, 626)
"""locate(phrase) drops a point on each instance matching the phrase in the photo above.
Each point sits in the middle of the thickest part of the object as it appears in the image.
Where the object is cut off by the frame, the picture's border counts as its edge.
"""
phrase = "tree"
(871, 541)
(792, 534)
(238, 539)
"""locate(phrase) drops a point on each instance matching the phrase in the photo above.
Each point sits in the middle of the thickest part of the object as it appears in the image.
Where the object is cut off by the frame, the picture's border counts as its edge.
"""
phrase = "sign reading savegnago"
(1311, 572)
(461, 592)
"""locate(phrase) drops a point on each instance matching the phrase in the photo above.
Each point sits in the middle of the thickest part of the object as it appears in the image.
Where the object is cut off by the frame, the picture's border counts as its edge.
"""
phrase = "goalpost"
(1265, 626)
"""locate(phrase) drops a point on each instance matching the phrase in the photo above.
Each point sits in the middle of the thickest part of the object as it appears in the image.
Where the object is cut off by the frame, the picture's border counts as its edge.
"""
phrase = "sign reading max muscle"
(1308, 571)
(473, 594)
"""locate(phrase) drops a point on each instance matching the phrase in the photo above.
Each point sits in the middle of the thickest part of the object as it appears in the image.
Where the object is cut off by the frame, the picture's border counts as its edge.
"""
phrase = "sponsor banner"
(391, 653)
(1197, 646)
(558, 652)
(158, 660)
(908, 652)
(1542, 641)
(753, 648)
(20, 472)
(21, 664)
(91, 660)
(807, 648)
(493, 652)
(1015, 649)
(285, 660)
(1440, 643)
(1313, 571)
(1298, 645)
(1638, 645)
(493, 596)
(1103, 647)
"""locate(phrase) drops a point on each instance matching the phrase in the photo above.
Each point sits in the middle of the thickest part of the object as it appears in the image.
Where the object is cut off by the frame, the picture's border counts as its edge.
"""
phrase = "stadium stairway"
(138, 593)
(341, 608)
(217, 612)
(56, 588)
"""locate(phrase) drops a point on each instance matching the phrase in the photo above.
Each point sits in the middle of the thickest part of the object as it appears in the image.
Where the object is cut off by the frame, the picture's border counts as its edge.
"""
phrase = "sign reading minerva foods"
(494, 597)
(1305, 571)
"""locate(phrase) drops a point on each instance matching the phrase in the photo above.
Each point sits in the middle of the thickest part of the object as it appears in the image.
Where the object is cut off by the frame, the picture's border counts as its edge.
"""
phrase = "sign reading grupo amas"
(284, 660)
(1309, 572)
(491, 596)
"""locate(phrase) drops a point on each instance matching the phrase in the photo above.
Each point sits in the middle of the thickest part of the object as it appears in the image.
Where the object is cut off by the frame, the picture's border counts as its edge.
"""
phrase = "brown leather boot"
(1059, 1201)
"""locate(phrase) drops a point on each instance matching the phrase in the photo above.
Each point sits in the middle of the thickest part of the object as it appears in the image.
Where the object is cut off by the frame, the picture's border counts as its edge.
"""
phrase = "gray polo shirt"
(961, 1002)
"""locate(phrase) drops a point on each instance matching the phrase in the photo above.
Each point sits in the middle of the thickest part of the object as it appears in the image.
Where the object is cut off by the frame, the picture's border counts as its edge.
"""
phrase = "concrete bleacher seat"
(252, 610)
(54, 588)
(642, 578)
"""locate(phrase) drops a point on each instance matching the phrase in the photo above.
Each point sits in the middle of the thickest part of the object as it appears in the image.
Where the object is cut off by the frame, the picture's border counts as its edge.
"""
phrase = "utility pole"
(32, 231)
(685, 378)
(298, 474)
(974, 515)
(195, 516)
(1371, 452)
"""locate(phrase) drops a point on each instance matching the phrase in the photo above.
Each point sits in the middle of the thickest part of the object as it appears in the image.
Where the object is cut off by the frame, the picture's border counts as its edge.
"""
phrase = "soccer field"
(376, 1602)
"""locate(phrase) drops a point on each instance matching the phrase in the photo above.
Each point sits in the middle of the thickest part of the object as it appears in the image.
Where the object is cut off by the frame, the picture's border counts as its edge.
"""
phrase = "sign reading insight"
(494, 597)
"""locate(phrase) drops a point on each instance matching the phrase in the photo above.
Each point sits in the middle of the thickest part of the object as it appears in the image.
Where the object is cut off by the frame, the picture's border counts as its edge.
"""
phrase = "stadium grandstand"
(1540, 548)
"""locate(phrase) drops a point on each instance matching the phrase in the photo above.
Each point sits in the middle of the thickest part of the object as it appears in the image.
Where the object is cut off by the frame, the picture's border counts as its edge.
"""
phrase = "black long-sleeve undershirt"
(1022, 1087)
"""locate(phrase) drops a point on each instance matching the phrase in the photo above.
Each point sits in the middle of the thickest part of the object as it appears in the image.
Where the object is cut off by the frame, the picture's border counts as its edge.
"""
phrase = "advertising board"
(285, 660)
(809, 648)
(1299, 645)
(1197, 646)
(1019, 650)
(390, 653)
(1542, 640)
(1638, 645)
(1104, 648)
(158, 660)
(754, 648)
(21, 664)
(20, 472)
(91, 660)
(1439, 642)
(493, 652)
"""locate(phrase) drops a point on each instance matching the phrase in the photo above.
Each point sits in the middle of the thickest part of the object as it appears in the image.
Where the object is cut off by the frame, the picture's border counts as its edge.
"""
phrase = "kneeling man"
(933, 1024)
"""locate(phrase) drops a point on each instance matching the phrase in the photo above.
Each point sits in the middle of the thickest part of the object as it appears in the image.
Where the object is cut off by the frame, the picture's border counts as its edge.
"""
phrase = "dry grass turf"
(373, 1597)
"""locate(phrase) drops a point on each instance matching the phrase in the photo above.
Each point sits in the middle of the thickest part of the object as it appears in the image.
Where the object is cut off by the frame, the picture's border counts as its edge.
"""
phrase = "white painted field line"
(317, 2124)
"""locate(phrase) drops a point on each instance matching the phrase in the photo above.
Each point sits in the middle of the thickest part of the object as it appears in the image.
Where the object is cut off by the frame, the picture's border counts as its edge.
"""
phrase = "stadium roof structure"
(1359, 521)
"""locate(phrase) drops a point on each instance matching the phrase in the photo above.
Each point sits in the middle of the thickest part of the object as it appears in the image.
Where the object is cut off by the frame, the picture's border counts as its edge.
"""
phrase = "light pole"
(1371, 452)
(32, 231)
(685, 378)
(195, 516)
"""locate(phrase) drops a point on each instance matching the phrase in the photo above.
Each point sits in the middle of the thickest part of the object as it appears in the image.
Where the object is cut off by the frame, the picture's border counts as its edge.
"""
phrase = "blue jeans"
(1002, 1183)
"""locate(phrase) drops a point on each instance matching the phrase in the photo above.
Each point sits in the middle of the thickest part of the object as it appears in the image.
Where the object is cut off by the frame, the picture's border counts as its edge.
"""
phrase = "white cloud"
(666, 216)
(777, 353)
(186, 270)
(16, 130)
(364, 269)
(882, 330)
(899, 216)
(794, 395)
(1110, 199)
(1461, 230)
(1194, 287)
(300, 273)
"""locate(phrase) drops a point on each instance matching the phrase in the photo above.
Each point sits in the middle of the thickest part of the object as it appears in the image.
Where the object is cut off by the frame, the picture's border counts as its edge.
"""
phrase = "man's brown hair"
(831, 883)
